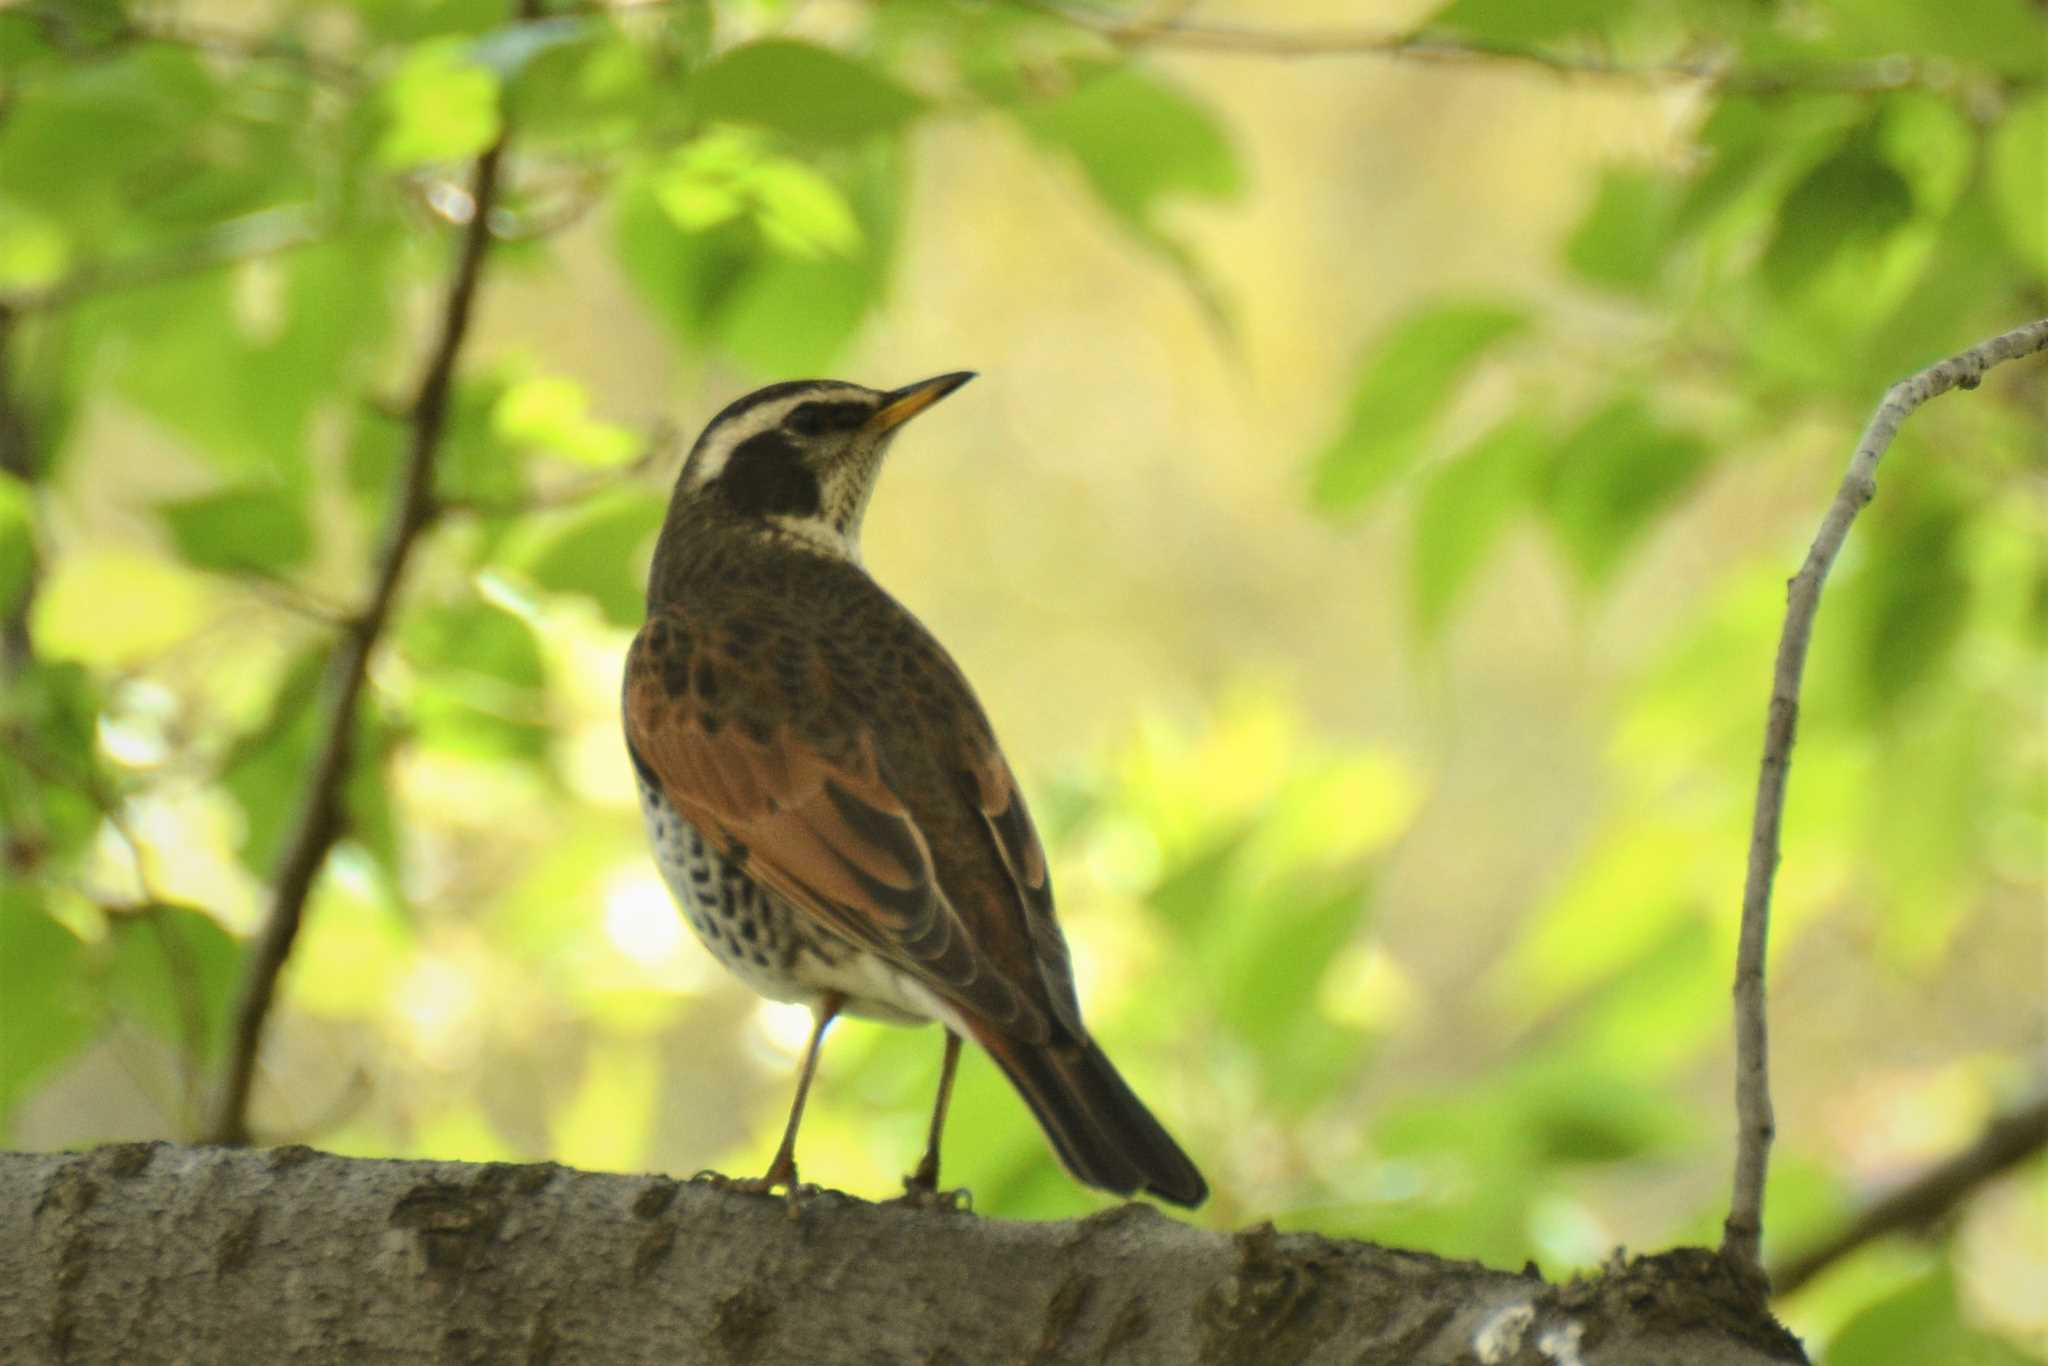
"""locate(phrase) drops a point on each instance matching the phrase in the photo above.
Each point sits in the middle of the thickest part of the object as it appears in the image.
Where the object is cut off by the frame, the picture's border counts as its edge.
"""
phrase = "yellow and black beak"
(901, 405)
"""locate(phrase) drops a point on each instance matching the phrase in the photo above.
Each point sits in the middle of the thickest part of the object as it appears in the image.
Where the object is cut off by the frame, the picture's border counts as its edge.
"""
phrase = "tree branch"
(1172, 30)
(17, 458)
(319, 820)
(148, 1252)
(2006, 1142)
(1755, 1127)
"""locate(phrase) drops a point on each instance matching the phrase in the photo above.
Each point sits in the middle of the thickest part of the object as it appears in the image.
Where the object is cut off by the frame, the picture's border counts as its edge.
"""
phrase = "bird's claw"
(924, 1195)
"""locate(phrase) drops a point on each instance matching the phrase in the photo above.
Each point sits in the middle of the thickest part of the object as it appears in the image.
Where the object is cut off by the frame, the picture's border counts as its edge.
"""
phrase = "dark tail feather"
(1097, 1125)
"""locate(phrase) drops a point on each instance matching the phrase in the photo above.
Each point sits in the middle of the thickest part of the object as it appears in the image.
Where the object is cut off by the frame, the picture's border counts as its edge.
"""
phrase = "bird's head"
(801, 458)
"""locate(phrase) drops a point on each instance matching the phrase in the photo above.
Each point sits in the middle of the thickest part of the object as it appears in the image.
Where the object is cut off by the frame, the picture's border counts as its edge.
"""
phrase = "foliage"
(226, 239)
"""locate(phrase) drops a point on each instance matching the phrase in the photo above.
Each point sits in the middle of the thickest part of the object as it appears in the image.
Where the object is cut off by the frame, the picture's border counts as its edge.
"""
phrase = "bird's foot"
(919, 1194)
(794, 1192)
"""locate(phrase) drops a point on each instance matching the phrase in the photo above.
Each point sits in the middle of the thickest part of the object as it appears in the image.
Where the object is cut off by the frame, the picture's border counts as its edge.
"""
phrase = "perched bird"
(826, 799)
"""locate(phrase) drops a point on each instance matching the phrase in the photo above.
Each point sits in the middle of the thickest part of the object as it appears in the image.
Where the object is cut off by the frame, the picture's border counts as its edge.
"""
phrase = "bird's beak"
(901, 405)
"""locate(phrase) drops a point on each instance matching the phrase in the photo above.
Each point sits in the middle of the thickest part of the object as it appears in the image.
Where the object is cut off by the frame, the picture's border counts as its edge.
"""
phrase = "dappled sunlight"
(1368, 534)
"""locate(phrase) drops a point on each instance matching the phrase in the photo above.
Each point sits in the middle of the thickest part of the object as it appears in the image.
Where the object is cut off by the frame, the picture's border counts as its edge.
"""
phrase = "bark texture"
(143, 1253)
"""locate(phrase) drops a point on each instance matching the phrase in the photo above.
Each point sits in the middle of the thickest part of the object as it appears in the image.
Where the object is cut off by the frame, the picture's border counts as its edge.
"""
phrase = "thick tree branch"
(2006, 1142)
(147, 1252)
(319, 819)
(1755, 1127)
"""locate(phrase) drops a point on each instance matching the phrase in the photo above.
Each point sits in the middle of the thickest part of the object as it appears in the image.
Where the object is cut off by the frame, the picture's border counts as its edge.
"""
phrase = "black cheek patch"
(766, 477)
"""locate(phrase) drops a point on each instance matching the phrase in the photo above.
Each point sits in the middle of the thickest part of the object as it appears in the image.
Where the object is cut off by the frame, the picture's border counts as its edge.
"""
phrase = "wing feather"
(822, 826)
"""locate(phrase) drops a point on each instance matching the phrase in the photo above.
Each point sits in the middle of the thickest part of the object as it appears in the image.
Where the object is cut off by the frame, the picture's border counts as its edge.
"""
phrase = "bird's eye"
(807, 420)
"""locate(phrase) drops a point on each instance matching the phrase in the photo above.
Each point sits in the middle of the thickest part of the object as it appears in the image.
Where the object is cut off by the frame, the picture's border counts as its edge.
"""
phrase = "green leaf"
(480, 685)
(1912, 593)
(1278, 952)
(729, 174)
(176, 970)
(17, 540)
(266, 769)
(34, 248)
(2006, 35)
(1404, 383)
(440, 105)
(717, 284)
(2019, 178)
(1845, 207)
(1137, 138)
(1921, 1322)
(1621, 241)
(1611, 477)
(48, 1016)
(1464, 509)
(553, 412)
(808, 93)
(596, 551)
(251, 528)
(245, 390)
(115, 608)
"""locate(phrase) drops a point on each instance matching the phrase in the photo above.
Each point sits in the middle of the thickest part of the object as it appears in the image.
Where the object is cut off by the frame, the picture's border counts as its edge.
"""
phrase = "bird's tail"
(1097, 1125)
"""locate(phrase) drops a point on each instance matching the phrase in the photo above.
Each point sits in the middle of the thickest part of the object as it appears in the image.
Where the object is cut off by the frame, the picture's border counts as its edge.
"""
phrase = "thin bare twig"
(1172, 30)
(319, 820)
(17, 458)
(2006, 1142)
(1743, 1232)
(252, 237)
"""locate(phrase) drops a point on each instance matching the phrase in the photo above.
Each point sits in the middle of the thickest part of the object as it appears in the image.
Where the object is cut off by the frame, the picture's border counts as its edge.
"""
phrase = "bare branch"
(149, 1252)
(17, 458)
(1755, 1127)
(248, 238)
(2006, 1142)
(319, 820)
(1174, 31)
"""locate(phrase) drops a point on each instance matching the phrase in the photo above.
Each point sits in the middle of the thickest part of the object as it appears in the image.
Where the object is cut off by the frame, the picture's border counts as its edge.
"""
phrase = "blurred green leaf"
(553, 413)
(17, 540)
(591, 90)
(1911, 594)
(1608, 479)
(265, 771)
(775, 311)
(2006, 35)
(48, 1015)
(480, 681)
(239, 362)
(251, 528)
(595, 552)
(803, 91)
(1137, 138)
(1921, 1322)
(1464, 508)
(440, 104)
(1271, 956)
(1405, 381)
(175, 969)
(2019, 178)
(34, 249)
(113, 608)
(1620, 243)
(1844, 207)
(728, 174)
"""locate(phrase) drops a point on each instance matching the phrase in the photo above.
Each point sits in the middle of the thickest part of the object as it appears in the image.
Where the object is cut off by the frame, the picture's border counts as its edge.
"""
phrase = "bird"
(826, 798)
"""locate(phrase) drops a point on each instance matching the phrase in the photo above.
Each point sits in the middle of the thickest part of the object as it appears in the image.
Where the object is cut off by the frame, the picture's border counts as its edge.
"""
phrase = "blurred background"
(1368, 533)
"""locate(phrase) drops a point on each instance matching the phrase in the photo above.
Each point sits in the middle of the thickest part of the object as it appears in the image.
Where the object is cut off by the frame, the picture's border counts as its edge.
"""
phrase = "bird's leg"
(921, 1187)
(782, 1171)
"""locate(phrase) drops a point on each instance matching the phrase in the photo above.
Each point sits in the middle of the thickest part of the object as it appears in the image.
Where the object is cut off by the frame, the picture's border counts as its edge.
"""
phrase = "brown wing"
(754, 744)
